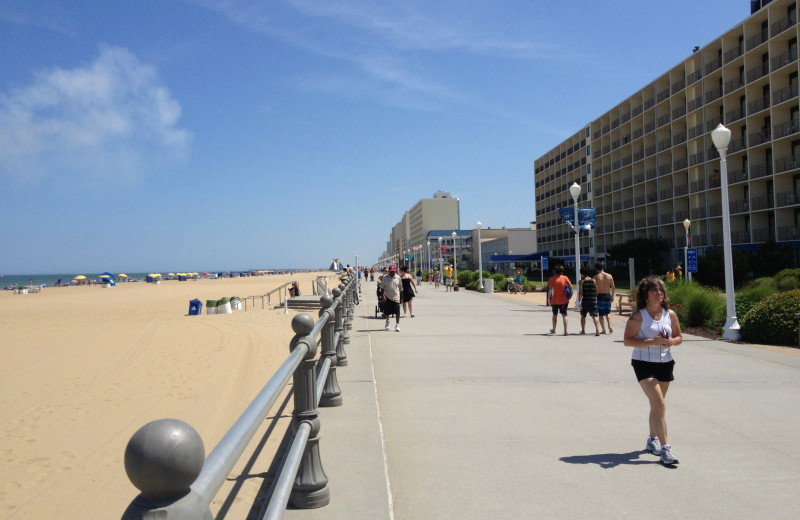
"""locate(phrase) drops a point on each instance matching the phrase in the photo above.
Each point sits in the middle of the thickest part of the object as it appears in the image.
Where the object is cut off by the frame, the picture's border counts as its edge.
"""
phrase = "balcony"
(712, 123)
(735, 176)
(664, 170)
(713, 65)
(638, 178)
(757, 72)
(788, 233)
(680, 164)
(755, 41)
(714, 210)
(667, 218)
(695, 103)
(761, 235)
(784, 94)
(758, 105)
(661, 96)
(663, 120)
(650, 103)
(737, 145)
(788, 199)
(738, 206)
(650, 174)
(696, 131)
(636, 111)
(740, 237)
(665, 194)
(732, 54)
(784, 59)
(733, 84)
(760, 170)
(664, 145)
(694, 76)
(783, 24)
(784, 129)
(638, 133)
(678, 85)
(713, 94)
(761, 203)
(698, 186)
(678, 139)
(785, 164)
(698, 213)
(681, 189)
(697, 158)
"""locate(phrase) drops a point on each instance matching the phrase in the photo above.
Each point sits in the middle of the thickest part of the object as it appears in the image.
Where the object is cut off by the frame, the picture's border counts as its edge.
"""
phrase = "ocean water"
(50, 280)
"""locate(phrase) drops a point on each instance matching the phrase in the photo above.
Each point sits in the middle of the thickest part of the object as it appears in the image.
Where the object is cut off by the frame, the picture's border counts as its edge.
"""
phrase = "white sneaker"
(668, 456)
(387, 324)
(397, 328)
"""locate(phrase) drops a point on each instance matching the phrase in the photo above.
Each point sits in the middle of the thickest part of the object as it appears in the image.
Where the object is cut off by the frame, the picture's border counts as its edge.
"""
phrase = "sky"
(164, 135)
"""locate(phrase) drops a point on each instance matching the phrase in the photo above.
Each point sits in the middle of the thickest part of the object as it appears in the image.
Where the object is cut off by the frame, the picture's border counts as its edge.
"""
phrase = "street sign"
(691, 260)
(545, 260)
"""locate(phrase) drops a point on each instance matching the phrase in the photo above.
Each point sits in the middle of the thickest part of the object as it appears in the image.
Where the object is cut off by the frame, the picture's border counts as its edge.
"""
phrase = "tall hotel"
(649, 163)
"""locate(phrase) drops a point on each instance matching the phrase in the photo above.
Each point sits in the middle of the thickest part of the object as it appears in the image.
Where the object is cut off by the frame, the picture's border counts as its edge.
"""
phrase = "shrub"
(772, 321)
(472, 286)
(500, 282)
(788, 279)
(699, 305)
(466, 277)
(747, 298)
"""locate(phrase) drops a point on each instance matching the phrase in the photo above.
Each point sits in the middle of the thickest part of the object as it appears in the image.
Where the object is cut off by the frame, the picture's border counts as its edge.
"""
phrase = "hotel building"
(649, 163)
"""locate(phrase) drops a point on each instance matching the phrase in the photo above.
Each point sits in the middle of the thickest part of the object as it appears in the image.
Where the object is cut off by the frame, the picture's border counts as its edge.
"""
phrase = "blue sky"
(195, 135)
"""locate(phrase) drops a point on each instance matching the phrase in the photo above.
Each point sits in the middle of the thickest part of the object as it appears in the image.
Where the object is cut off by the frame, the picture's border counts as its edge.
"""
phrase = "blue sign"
(691, 260)
(586, 217)
(545, 260)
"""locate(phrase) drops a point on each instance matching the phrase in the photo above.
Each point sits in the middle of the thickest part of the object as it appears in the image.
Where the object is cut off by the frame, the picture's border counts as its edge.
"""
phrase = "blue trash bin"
(195, 307)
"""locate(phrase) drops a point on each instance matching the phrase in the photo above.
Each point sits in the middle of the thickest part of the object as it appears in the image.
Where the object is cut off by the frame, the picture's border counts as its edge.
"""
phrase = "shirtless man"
(605, 295)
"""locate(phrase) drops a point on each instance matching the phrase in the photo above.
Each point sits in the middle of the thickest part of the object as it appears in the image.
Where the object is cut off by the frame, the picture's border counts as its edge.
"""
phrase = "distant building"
(439, 212)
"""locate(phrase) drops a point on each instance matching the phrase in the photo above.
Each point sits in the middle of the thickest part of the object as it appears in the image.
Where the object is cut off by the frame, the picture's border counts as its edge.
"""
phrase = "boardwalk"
(474, 411)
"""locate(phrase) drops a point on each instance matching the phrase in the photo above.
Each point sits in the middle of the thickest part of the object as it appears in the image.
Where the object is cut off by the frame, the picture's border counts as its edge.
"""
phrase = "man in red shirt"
(559, 302)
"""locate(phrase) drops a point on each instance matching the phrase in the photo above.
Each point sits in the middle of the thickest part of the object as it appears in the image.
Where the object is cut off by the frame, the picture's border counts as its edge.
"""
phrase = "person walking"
(448, 277)
(652, 330)
(409, 291)
(559, 301)
(605, 295)
(587, 295)
(436, 276)
(392, 288)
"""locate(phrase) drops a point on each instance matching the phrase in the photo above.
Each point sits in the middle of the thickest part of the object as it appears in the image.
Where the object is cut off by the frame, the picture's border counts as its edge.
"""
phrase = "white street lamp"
(721, 137)
(687, 224)
(455, 261)
(429, 256)
(441, 267)
(575, 191)
(480, 258)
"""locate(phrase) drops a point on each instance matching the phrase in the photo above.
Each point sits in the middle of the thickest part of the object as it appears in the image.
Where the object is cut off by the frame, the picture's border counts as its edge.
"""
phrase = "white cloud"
(109, 121)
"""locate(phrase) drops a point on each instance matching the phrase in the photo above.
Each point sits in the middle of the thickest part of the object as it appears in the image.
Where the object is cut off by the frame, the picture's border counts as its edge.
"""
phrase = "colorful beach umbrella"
(122, 275)
(80, 277)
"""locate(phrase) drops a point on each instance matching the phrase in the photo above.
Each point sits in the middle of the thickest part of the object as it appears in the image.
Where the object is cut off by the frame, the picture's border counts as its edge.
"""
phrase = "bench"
(625, 302)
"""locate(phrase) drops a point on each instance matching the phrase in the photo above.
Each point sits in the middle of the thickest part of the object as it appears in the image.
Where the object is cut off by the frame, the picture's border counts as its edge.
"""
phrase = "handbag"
(568, 291)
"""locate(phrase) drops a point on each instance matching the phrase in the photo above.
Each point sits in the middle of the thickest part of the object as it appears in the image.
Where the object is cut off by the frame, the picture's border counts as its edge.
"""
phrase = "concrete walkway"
(474, 410)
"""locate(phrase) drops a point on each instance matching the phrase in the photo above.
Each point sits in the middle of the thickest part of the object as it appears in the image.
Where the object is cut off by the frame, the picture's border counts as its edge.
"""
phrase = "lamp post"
(575, 191)
(455, 261)
(429, 255)
(721, 137)
(441, 267)
(686, 224)
(480, 258)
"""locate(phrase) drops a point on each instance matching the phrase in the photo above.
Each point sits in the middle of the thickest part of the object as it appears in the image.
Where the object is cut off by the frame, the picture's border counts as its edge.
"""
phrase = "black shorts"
(589, 308)
(647, 370)
(560, 308)
(390, 307)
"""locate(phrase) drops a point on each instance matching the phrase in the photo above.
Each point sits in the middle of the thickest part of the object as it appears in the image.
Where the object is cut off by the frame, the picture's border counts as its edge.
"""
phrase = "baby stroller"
(379, 306)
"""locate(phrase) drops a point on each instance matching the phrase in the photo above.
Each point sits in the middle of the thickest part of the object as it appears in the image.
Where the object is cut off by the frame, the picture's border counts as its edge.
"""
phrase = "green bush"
(788, 279)
(763, 282)
(699, 305)
(772, 321)
(500, 281)
(472, 286)
(466, 277)
(748, 297)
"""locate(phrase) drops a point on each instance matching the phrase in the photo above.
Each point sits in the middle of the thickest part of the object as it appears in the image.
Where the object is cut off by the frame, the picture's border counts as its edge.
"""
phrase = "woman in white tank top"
(652, 331)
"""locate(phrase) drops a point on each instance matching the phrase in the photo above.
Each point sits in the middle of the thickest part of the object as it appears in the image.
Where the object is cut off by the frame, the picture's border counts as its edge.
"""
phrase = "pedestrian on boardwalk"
(392, 288)
(557, 289)
(419, 276)
(587, 295)
(448, 277)
(409, 291)
(436, 276)
(605, 295)
(652, 330)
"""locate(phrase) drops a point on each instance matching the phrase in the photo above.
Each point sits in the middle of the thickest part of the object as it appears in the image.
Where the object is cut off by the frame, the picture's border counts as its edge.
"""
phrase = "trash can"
(224, 306)
(195, 307)
(236, 303)
(488, 285)
(211, 306)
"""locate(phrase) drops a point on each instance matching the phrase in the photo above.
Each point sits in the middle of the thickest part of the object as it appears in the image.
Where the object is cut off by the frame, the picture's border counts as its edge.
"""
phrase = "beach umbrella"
(122, 275)
(105, 276)
(170, 274)
(80, 277)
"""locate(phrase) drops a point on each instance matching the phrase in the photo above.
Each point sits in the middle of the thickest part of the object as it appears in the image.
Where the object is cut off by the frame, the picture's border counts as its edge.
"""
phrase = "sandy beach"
(84, 367)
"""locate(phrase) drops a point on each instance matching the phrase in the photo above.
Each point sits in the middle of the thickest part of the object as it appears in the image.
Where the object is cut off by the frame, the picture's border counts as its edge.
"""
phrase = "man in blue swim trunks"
(605, 295)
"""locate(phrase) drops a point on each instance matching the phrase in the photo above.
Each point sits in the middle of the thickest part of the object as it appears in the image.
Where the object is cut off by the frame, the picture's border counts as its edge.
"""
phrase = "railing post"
(162, 460)
(310, 488)
(331, 392)
(344, 336)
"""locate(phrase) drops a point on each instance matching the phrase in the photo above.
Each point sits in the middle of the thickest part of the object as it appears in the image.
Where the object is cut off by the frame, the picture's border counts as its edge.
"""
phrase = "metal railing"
(282, 292)
(165, 458)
